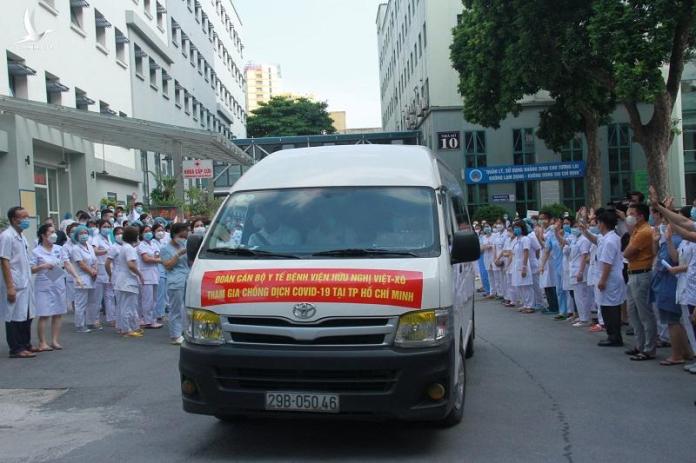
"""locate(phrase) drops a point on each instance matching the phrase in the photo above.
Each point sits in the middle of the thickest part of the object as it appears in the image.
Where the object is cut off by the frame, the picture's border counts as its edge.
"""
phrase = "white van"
(333, 280)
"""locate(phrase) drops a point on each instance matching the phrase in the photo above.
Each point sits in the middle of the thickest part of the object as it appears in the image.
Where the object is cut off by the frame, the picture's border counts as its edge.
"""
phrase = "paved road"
(538, 391)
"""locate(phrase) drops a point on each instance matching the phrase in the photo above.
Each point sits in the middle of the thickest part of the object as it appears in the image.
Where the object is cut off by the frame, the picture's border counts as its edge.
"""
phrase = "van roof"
(345, 165)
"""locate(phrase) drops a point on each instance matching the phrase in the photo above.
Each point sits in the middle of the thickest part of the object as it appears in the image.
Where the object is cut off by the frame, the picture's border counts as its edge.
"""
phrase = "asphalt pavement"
(538, 390)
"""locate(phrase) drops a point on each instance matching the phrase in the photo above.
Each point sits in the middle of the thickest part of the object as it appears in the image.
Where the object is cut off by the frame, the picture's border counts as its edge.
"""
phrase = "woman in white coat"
(127, 280)
(522, 279)
(103, 290)
(47, 263)
(148, 261)
(85, 261)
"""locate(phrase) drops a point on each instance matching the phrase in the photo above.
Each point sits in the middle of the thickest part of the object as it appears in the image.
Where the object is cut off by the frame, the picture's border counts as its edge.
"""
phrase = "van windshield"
(336, 222)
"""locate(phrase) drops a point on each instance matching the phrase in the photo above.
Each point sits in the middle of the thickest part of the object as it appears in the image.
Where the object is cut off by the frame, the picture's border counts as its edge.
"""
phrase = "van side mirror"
(465, 247)
(193, 244)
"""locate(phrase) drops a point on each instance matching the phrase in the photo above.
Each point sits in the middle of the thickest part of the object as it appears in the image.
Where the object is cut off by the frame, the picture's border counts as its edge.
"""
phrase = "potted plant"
(201, 204)
(163, 199)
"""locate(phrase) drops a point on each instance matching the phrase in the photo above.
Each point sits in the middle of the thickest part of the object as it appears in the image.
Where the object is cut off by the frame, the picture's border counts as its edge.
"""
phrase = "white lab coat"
(14, 248)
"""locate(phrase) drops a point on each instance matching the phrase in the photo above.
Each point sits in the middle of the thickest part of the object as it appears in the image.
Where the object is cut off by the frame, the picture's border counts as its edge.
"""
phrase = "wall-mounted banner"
(356, 286)
(503, 198)
(448, 140)
(524, 173)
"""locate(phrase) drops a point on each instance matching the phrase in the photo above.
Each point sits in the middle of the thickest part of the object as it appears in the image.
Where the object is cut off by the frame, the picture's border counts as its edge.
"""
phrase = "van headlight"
(203, 327)
(424, 328)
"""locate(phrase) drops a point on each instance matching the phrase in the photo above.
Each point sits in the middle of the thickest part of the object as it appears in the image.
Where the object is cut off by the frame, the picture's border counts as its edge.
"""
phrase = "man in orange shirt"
(640, 255)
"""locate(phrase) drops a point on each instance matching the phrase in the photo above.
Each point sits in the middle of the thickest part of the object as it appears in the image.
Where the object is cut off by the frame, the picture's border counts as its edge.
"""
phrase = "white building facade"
(169, 61)
(264, 81)
(418, 88)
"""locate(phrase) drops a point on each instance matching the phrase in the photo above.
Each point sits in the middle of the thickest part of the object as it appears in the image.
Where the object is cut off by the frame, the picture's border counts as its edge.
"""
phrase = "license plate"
(302, 402)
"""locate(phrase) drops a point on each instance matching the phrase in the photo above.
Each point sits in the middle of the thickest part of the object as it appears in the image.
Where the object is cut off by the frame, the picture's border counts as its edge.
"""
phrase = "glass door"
(46, 187)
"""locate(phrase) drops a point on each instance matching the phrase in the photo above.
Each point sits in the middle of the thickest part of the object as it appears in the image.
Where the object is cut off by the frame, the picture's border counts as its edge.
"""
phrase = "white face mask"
(631, 221)
(159, 235)
(52, 238)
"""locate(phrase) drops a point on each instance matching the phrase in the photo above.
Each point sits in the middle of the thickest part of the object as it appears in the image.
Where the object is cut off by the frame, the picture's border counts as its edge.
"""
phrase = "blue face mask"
(24, 224)
(651, 220)
(575, 231)
(693, 213)
(517, 231)
(566, 229)
(139, 210)
(147, 236)
(83, 238)
(594, 230)
(105, 232)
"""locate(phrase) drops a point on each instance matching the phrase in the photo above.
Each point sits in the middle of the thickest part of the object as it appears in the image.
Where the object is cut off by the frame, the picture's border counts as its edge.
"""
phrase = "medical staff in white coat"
(522, 278)
(487, 243)
(103, 294)
(127, 279)
(16, 292)
(148, 262)
(579, 259)
(49, 263)
(85, 262)
(498, 242)
(161, 303)
(565, 239)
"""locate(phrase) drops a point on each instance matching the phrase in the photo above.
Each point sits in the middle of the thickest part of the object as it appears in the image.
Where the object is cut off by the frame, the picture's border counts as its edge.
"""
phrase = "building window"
(175, 33)
(161, 15)
(153, 73)
(82, 101)
(523, 153)
(18, 73)
(177, 94)
(100, 26)
(139, 55)
(573, 190)
(425, 37)
(165, 83)
(105, 109)
(76, 12)
(54, 89)
(690, 158)
(620, 175)
(120, 45)
(147, 7)
(475, 156)
(187, 100)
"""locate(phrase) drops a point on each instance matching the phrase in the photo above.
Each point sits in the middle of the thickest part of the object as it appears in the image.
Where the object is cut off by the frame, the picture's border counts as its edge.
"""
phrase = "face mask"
(199, 231)
(181, 242)
(594, 230)
(631, 221)
(83, 238)
(119, 238)
(693, 213)
(517, 231)
(487, 230)
(147, 236)
(111, 220)
(499, 228)
(505, 217)
(575, 232)
(105, 231)
(651, 220)
(93, 231)
(52, 238)
(159, 235)
(663, 229)
(566, 229)
(139, 210)
(24, 224)
(119, 218)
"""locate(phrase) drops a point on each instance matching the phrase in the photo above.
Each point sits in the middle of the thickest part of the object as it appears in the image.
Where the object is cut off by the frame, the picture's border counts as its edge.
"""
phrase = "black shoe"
(632, 352)
(608, 343)
(630, 332)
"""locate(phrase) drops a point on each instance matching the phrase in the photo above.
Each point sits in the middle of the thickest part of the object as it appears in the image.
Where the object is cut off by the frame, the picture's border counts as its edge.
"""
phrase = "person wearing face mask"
(112, 269)
(136, 212)
(175, 261)
(498, 239)
(534, 254)
(162, 239)
(198, 227)
(127, 280)
(148, 262)
(522, 278)
(565, 239)
(69, 281)
(93, 230)
(592, 233)
(488, 251)
(640, 254)
(552, 256)
(481, 267)
(103, 294)
(510, 290)
(47, 260)
(578, 265)
(16, 292)
(84, 260)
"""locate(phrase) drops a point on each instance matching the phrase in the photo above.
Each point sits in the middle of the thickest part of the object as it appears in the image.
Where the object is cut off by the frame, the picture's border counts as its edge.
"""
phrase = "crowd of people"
(628, 269)
(124, 270)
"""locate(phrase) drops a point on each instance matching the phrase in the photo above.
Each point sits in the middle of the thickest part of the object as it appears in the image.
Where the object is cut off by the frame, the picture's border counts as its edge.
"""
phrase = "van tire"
(469, 348)
(231, 418)
(457, 413)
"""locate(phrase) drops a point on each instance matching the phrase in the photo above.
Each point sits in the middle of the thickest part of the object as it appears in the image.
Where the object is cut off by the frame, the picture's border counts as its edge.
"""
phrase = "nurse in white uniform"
(522, 278)
(103, 295)
(148, 261)
(85, 261)
(49, 262)
(127, 280)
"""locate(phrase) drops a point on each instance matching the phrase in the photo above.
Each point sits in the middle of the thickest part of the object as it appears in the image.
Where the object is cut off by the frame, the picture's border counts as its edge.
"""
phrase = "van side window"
(461, 213)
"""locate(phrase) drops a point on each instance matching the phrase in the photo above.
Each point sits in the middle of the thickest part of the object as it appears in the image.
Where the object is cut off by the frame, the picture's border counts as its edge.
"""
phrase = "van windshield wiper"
(250, 252)
(351, 252)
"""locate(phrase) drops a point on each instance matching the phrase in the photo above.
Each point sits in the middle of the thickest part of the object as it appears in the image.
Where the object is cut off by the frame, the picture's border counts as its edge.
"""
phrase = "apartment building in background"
(169, 61)
(263, 82)
(418, 88)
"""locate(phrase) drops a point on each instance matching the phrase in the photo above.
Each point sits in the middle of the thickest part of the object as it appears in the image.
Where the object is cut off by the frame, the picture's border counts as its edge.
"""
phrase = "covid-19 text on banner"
(524, 173)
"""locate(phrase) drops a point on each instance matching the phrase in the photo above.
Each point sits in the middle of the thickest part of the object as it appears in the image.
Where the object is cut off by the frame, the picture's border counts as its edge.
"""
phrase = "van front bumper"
(375, 383)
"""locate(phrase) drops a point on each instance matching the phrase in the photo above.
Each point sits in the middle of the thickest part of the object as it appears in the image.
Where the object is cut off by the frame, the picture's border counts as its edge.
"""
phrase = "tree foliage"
(588, 55)
(285, 116)
(489, 213)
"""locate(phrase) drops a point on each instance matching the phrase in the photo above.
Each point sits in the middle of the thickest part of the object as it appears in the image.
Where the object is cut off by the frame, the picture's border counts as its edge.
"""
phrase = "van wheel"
(231, 418)
(457, 413)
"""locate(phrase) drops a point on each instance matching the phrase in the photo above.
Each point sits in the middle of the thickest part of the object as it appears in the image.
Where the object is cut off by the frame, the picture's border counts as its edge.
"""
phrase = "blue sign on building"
(524, 173)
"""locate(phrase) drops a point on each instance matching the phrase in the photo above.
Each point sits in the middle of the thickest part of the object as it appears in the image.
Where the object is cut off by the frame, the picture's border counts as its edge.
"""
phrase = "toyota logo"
(304, 311)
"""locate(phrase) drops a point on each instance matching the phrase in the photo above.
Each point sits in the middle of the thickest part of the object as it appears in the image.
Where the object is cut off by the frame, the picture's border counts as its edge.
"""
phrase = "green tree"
(506, 49)
(284, 116)
(489, 213)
